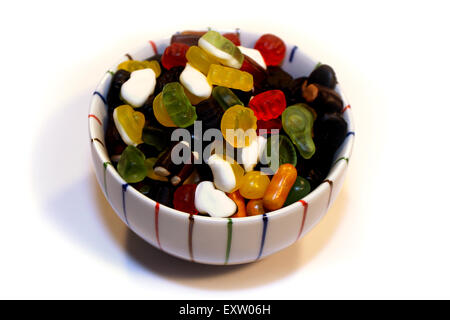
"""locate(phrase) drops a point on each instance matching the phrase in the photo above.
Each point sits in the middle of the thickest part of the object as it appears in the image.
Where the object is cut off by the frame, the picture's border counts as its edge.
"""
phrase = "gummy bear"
(268, 105)
(174, 55)
(200, 59)
(184, 198)
(133, 65)
(221, 48)
(254, 185)
(129, 123)
(131, 166)
(298, 121)
(233, 37)
(177, 105)
(230, 78)
(225, 97)
(238, 126)
(272, 49)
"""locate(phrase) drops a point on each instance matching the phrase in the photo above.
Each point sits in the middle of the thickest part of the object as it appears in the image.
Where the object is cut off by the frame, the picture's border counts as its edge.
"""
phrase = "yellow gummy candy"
(129, 123)
(161, 113)
(238, 126)
(230, 78)
(200, 59)
(133, 65)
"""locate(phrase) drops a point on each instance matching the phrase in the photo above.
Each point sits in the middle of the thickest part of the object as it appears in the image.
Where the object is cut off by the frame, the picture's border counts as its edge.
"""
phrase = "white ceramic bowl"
(205, 239)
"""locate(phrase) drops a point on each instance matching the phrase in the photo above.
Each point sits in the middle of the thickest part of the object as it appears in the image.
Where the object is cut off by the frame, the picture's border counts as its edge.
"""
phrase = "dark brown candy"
(114, 143)
(277, 79)
(251, 66)
(156, 57)
(210, 113)
(323, 75)
(167, 76)
(113, 97)
(322, 99)
(159, 191)
(164, 166)
(330, 131)
(191, 39)
(244, 96)
(295, 91)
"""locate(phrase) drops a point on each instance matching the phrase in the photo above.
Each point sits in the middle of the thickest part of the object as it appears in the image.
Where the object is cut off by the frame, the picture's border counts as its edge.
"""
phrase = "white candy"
(195, 82)
(212, 201)
(252, 154)
(224, 57)
(223, 174)
(254, 54)
(136, 90)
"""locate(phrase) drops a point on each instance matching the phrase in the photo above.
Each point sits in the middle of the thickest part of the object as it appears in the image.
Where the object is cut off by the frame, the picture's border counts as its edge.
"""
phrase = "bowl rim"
(337, 168)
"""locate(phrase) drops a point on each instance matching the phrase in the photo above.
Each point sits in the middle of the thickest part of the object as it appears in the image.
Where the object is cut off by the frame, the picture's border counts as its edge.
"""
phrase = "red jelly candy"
(174, 55)
(233, 37)
(268, 104)
(183, 198)
(251, 66)
(266, 126)
(272, 49)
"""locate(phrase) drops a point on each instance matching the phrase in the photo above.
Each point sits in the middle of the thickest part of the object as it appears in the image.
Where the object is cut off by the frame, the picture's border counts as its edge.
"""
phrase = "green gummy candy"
(178, 107)
(298, 191)
(281, 147)
(225, 97)
(225, 45)
(155, 137)
(131, 166)
(298, 122)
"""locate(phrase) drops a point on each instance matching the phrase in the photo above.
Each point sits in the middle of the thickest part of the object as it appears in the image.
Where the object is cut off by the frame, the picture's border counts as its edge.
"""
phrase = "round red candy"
(268, 104)
(184, 198)
(272, 49)
(175, 55)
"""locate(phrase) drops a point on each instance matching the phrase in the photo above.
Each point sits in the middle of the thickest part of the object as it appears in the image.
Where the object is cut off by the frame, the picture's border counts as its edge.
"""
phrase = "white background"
(386, 236)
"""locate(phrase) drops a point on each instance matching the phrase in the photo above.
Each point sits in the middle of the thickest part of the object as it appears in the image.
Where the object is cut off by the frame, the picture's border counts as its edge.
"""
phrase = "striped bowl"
(204, 239)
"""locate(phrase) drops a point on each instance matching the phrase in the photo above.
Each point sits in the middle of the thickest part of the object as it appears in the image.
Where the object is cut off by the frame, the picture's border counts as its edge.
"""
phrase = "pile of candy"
(210, 78)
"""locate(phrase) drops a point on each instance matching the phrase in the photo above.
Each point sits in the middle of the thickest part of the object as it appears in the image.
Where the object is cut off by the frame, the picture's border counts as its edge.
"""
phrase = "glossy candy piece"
(279, 187)
(298, 191)
(251, 154)
(212, 201)
(255, 69)
(254, 185)
(149, 163)
(195, 82)
(210, 113)
(255, 55)
(200, 59)
(227, 173)
(190, 39)
(221, 48)
(174, 55)
(322, 99)
(129, 123)
(177, 105)
(113, 97)
(131, 166)
(330, 131)
(230, 78)
(255, 207)
(225, 97)
(238, 126)
(323, 75)
(160, 112)
(155, 137)
(141, 85)
(133, 65)
(272, 49)
(279, 150)
(268, 105)
(298, 122)
(276, 79)
(184, 198)
(240, 203)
